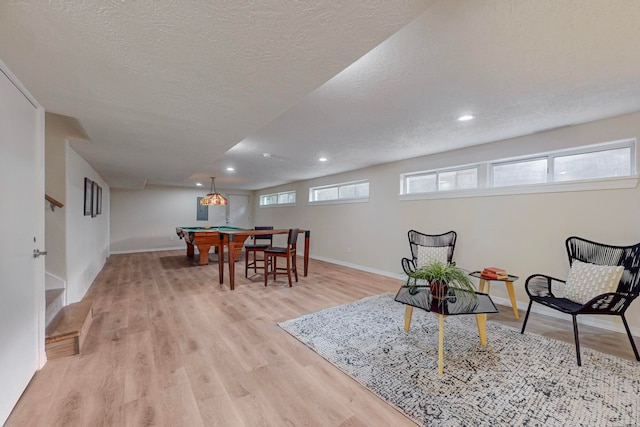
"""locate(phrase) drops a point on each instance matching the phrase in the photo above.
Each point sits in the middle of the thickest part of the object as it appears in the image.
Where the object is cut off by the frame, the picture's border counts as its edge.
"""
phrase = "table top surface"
(208, 229)
(250, 232)
(465, 303)
(478, 275)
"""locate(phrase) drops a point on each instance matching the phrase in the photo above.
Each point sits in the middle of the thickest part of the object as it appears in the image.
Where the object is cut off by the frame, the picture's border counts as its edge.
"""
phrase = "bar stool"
(289, 252)
(256, 247)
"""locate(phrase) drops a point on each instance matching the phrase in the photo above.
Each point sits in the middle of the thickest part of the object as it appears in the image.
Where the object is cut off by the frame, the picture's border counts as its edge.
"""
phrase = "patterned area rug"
(515, 380)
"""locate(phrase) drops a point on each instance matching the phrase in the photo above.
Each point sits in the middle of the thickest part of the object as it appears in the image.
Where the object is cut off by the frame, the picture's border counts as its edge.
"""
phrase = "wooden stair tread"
(69, 322)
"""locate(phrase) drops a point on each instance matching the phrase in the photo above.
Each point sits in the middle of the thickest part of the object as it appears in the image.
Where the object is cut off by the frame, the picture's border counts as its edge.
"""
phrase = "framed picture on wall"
(99, 201)
(94, 202)
(88, 197)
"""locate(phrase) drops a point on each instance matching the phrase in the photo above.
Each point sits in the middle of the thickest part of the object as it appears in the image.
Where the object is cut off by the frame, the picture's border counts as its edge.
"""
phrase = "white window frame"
(437, 172)
(277, 196)
(552, 155)
(339, 200)
(485, 179)
(630, 144)
(493, 164)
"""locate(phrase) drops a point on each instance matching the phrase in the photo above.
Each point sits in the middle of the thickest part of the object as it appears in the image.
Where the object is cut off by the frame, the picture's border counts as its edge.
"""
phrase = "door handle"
(38, 252)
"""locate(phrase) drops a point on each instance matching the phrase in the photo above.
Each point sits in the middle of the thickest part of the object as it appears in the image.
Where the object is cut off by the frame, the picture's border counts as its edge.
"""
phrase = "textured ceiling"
(173, 92)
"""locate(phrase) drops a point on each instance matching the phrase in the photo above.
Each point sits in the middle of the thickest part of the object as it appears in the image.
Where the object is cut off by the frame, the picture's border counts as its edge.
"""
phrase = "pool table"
(206, 237)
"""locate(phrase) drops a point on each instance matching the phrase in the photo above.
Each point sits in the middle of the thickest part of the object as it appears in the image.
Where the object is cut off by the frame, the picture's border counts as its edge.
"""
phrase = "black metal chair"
(541, 288)
(440, 246)
(289, 252)
(255, 248)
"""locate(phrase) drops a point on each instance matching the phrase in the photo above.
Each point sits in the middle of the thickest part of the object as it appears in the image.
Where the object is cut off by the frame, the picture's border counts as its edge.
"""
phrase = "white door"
(21, 228)
(217, 215)
(238, 211)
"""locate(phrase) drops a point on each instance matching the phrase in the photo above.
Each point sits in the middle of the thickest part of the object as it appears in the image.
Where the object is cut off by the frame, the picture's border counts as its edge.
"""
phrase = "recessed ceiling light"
(230, 169)
(465, 118)
(266, 154)
(199, 184)
(322, 159)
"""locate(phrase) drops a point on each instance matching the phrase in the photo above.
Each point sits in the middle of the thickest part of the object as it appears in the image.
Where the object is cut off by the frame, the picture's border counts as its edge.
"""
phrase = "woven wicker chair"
(417, 240)
(541, 288)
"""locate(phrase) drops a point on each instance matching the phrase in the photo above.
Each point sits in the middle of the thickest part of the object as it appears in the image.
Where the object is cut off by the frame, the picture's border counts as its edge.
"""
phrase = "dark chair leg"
(633, 344)
(526, 317)
(575, 338)
(295, 267)
(246, 263)
(289, 271)
(266, 270)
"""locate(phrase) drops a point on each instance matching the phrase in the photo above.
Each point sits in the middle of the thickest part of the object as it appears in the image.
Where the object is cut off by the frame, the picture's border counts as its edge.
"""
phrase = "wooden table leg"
(190, 250)
(408, 311)
(231, 244)
(440, 344)
(307, 240)
(204, 254)
(221, 259)
(512, 297)
(481, 285)
(481, 320)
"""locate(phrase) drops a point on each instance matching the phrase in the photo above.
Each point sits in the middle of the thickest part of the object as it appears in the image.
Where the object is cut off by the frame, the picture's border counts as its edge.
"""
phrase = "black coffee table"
(465, 303)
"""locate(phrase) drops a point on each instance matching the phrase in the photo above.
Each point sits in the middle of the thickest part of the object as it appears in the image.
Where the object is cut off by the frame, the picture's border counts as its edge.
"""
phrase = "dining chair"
(288, 252)
(255, 248)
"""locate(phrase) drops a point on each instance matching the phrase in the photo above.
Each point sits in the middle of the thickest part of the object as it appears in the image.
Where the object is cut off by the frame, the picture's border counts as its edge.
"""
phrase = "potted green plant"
(442, 279)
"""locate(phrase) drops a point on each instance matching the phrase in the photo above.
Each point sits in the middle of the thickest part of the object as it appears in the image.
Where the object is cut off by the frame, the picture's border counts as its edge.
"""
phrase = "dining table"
(230, 238)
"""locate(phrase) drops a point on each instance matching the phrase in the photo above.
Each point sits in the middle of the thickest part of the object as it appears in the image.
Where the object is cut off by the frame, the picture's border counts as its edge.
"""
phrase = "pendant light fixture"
(213, 198)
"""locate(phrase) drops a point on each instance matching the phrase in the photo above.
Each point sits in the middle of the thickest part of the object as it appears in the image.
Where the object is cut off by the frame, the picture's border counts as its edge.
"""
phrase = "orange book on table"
(494, 273)
(495, 270)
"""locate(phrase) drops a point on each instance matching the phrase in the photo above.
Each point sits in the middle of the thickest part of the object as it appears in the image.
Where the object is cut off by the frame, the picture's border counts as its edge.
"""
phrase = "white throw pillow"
(430, 254)
(587, 281)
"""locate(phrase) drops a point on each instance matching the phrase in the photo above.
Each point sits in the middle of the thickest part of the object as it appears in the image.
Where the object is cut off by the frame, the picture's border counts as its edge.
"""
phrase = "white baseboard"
(137, 251)
(360, 267)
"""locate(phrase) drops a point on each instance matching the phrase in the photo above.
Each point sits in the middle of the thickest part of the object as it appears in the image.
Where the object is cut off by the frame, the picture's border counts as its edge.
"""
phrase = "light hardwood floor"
(169, 346)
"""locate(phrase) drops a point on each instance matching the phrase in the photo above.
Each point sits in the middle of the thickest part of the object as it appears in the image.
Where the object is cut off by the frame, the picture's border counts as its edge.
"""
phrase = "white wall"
(78, 263)
(146, 220)
(57, 130)
(87, 237)
(523, 233)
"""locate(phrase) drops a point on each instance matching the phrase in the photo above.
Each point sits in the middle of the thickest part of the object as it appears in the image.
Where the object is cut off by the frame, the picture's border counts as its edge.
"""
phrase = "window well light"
(465, 118)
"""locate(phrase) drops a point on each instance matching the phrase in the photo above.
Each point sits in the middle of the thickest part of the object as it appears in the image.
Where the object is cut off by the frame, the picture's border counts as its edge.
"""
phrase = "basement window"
(439, 180)
(596, 162)
(287, 198)
(609, 165)
(357, 191)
